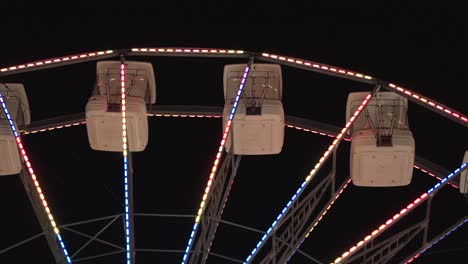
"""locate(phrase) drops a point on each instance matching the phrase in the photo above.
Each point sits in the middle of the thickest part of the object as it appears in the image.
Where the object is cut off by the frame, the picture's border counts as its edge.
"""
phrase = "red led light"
(430, 102)
(187, 50)
(381, 227)
(56, 60)
(318, 66)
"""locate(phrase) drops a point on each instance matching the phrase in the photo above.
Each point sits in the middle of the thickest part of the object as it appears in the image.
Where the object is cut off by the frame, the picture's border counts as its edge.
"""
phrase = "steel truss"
(216, 112)
(377, 251)
(303, 215)
(120, 249)
(293, 223)
(230, 54)
(216, 201)
(287, 61)
(200, 111)
(429, 244)
(209, 226)
(47, 228)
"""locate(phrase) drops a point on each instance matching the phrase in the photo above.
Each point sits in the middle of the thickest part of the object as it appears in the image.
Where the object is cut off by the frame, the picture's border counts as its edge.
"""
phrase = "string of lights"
(33, 177)
(398, 215)
(128, 226)
(216, 162)
(309, 177)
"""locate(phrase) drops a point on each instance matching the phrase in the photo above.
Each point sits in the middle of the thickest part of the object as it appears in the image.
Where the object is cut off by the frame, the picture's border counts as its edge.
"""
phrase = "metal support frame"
(121, 249)
(427, 106)
(190, 52)
(93, 238)
(323, 69)
(374, 251)
(433, 241)
(293, 218)
(213, 111)
(129, 184)
(297, 224)
(50, 63)
(41, 215)
(383, 251)
(292, 229)
(216, 202)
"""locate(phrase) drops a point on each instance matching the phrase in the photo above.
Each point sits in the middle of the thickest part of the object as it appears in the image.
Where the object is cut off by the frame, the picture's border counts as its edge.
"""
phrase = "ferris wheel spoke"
(372, 238)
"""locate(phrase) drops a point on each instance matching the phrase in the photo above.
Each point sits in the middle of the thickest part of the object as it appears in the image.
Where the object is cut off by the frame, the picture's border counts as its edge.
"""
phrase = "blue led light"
(441, 237)
(231, 117)
(125, 167)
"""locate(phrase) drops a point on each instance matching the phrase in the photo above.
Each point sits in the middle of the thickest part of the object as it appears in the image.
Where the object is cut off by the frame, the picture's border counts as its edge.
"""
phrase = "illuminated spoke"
(216, 162)
(34, 177)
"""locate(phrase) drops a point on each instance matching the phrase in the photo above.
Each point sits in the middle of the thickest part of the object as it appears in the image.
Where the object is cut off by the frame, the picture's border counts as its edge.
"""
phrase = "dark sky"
(420, 47)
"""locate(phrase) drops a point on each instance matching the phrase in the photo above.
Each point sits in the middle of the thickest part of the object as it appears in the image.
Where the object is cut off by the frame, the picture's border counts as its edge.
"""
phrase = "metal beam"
(433, 241)
(190, 52)
(216, 202)
(322, 68)
(383, 251)
(292, 229)
(57, 62)
(368, 244)
(91, 239)
(292, 249)
(41, 215)
(429, 104)
(129, 226)
(121, 249)
(225, 53)
(214, 111)
(295, 228)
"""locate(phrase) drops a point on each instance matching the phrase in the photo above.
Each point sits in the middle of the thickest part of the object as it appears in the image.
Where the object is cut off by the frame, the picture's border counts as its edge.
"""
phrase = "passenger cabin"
(258, 125)
(464, 176)
(103, 110)
(16, 101)
(382, 146)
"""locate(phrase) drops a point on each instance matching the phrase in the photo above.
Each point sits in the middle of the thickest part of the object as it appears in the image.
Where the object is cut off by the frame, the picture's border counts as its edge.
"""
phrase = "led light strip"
(55, 61)
(323, 214)
(34, 178)
(219, 116)
(319, 66)
(435, 176)
(189, 50)
(309, 177)
(431, 103)
(328, 208)
(177, 115)
(436, 241)
(216, 162)
(314, 131)
(125, 163)
(403, 212)
(24, 132)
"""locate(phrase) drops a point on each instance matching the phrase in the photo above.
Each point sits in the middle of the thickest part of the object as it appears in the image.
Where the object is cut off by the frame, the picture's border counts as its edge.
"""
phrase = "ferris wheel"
(382, 155)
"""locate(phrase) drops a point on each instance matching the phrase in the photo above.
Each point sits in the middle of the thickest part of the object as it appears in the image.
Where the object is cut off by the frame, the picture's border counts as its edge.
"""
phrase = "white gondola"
(382, 146)
(464, 176)
(103, 112)
(258, 125)
(18, 107)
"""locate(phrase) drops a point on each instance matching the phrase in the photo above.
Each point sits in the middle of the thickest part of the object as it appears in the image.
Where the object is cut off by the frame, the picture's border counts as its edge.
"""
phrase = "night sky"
(422, 48)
